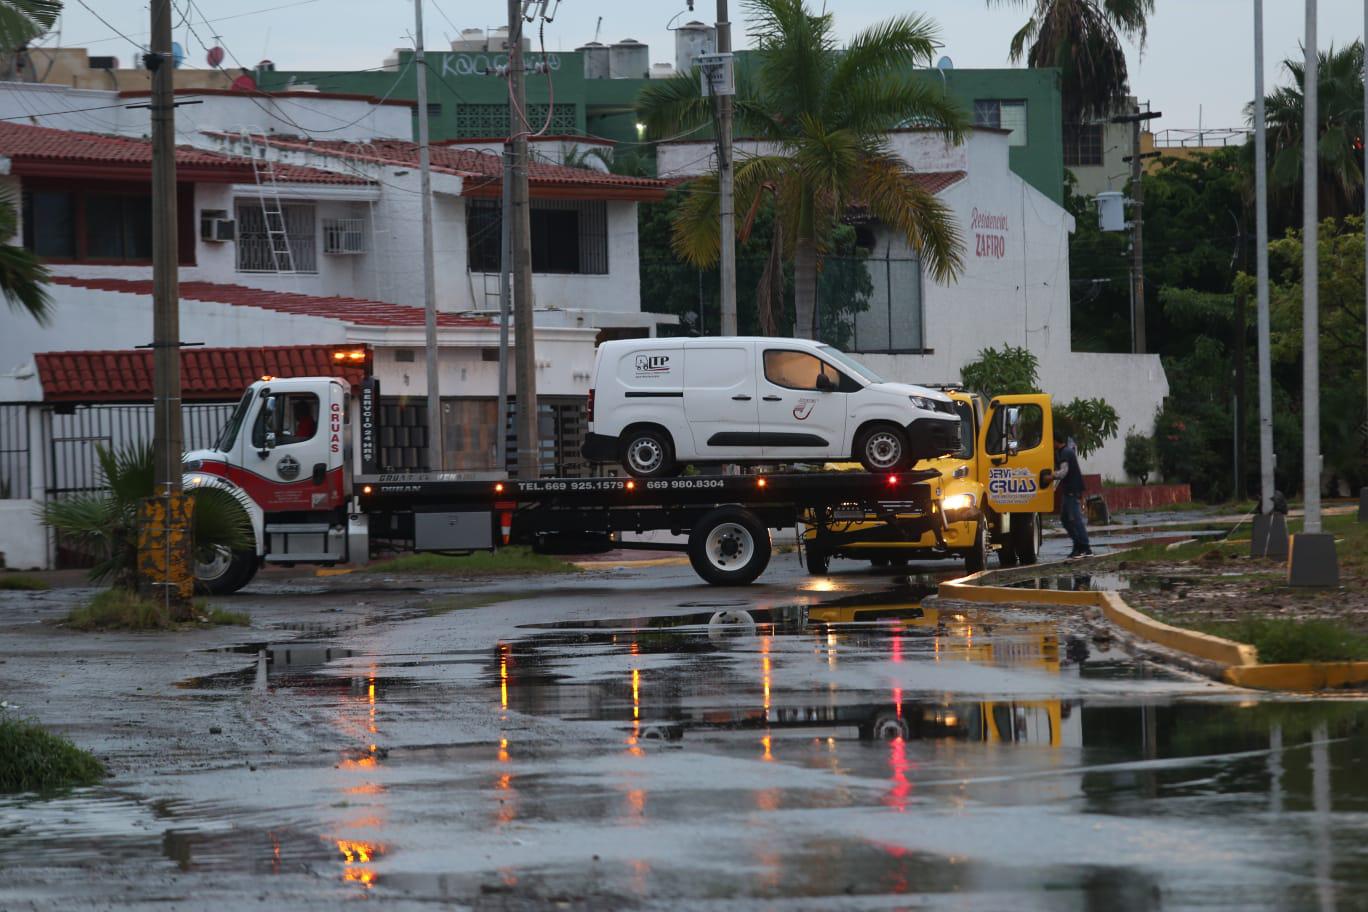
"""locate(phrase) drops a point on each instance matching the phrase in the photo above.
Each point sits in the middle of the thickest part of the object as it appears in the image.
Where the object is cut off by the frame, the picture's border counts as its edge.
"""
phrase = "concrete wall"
(23, 537)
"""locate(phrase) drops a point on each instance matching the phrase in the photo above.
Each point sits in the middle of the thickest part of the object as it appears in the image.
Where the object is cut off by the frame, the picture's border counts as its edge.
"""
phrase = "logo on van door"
(650, 365)
(803, 409)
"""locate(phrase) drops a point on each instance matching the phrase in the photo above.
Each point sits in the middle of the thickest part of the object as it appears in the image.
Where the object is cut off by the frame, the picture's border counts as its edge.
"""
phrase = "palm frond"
(220, 521)
(877, 106)
(696, 229)
(670, 106)
(21, 21)
(927, 223)
(886, 49)
(795, 49)
(22, 275)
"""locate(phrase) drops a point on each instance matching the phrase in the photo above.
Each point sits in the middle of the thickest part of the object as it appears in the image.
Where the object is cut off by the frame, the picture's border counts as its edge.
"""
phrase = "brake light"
(892, 480)
(589, 407)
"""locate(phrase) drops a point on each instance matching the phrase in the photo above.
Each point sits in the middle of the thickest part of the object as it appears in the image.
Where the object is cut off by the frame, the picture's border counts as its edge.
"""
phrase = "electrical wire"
(90, 9)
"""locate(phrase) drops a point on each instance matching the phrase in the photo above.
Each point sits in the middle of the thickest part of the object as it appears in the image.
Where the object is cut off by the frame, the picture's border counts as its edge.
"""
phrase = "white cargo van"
(657, 404)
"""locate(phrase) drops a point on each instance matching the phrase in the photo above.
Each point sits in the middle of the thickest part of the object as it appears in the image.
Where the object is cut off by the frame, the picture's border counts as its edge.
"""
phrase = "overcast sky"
(1198, 60)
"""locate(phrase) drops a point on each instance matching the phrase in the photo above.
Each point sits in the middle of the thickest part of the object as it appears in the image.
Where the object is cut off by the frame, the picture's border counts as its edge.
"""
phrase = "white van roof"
(704, 341)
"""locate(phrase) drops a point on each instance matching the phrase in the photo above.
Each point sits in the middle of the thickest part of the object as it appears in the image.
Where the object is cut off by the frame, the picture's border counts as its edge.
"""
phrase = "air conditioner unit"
(344, 236)
(216, 226)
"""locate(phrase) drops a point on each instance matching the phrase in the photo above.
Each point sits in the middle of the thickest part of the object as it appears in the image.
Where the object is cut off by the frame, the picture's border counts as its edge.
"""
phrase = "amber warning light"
(351, 355)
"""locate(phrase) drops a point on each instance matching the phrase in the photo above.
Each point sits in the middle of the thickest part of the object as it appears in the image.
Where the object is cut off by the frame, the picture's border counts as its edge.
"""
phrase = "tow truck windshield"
(229, 433)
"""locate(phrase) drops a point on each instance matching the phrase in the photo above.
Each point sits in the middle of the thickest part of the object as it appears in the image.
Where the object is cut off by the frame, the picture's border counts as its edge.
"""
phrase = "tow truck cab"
(994, 489)
(285, 455)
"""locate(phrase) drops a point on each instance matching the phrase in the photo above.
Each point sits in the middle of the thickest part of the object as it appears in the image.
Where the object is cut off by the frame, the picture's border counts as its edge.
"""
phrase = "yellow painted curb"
(632, 565)
(1299, 675)
(966, 590)
(1202, 645)
(333, 571)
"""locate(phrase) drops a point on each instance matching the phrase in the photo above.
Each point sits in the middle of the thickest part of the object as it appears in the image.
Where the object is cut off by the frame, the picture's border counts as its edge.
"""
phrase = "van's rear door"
(719, 399)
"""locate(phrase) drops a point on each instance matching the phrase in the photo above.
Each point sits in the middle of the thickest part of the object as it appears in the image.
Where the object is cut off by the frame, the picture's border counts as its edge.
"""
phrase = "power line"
(110, 25)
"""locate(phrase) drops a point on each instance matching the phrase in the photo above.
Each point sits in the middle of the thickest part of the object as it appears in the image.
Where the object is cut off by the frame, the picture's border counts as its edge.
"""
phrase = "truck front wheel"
(223, 571)
(729, 547)
(1025, 537)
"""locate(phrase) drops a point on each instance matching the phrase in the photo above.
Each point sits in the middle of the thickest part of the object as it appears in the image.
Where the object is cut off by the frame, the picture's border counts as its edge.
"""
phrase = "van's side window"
(798, 370)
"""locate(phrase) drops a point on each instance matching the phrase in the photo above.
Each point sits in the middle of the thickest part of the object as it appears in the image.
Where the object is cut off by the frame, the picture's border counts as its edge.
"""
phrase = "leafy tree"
(1339, 110)
(1089, 423)
(823, 115)
(995, 373)
(107, 523)
(1082, 38)
(22, 275)
(1138, 460)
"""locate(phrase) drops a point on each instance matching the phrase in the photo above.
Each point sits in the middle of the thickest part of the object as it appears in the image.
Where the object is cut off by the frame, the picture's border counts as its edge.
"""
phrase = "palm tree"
(1340, 111)
(21, 21)
(22, 275)
(107, 523)
(821, 115)
(1081, 38)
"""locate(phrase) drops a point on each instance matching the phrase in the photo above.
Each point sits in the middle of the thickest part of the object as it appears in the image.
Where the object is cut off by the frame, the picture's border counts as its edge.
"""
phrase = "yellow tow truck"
(991, 493)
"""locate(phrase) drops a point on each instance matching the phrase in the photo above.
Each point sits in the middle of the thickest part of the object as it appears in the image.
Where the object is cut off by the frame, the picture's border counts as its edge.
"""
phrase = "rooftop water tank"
(595, 60)
(692, 39)
(662, 70)
(629, 59)
(471, 40)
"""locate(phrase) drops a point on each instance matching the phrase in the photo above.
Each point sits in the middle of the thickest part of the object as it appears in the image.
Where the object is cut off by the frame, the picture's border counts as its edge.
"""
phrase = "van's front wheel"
(647, 453)
(883, 448)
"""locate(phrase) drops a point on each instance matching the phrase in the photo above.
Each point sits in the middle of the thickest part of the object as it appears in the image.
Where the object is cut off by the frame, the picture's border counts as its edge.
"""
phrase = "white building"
(1014, 289)
(348, 269)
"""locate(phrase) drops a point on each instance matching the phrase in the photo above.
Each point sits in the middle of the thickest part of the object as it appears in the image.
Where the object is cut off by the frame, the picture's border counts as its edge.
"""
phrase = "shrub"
(35, 760)
(1139, 457)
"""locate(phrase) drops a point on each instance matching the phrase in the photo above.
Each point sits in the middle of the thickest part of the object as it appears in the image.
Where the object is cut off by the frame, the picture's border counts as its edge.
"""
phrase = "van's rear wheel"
(223, 571)
(647, 453)
(729, 547)
(883, 448)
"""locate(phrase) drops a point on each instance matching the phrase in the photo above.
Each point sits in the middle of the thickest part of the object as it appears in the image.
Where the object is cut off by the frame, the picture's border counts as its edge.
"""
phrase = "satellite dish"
(177, 55)
(214, 57)
(945, 63)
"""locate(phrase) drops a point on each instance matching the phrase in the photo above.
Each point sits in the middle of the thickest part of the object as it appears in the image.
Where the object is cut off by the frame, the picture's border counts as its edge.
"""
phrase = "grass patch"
(120, 609)
(481, 563)
(35, 760)
(466, 603)
(222, 617)
(20, 582)
(1281, 640)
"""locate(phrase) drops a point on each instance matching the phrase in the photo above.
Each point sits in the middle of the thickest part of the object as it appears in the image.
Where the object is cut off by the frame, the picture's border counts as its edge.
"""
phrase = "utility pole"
(434, 393)
(1266, 457)
(164, 519)
(1312, 561)
(1137, 201)
(505, 302)
(525, 352)
(726, 175)
(1363, 494)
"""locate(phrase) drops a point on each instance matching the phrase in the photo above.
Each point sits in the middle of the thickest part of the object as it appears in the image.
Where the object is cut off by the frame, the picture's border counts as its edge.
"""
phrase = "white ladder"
(268, 194)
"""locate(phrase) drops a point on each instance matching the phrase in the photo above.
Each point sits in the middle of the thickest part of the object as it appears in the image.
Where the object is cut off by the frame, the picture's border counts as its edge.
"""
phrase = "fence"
(14, 452)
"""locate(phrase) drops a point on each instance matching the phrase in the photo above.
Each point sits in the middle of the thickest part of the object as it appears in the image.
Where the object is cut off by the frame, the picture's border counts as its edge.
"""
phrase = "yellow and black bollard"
(165, 573)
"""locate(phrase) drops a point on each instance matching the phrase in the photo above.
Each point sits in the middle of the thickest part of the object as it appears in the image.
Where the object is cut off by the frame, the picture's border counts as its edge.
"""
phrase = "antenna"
(598, 28)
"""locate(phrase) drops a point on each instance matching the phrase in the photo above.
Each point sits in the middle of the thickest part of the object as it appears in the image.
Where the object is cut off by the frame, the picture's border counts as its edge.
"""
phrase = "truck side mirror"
(1013, 447)
(268, 422)
(825, 384)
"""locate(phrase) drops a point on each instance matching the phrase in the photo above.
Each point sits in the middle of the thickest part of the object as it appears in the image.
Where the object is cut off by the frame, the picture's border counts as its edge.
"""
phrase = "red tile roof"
(484, 170)
(43, 151)
(353, 311)
(207, 374)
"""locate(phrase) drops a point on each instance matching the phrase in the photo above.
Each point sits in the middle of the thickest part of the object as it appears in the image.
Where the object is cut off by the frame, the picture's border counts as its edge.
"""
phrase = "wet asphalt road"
(593, 742)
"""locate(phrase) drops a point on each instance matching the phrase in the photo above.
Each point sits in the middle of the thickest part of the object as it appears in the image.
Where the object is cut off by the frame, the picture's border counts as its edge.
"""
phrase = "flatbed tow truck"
(302, 457)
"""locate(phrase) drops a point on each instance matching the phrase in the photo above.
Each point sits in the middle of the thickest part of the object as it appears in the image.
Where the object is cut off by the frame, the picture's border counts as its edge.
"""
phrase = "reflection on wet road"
(855, 748)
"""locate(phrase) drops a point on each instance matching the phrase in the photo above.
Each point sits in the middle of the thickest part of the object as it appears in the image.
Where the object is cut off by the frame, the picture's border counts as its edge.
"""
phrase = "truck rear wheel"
(976, 558)
(1025, 538)
(729, 547)
(224, 572)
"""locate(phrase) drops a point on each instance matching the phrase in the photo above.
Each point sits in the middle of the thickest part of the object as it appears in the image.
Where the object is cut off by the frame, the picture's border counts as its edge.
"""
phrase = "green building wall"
(465, 103)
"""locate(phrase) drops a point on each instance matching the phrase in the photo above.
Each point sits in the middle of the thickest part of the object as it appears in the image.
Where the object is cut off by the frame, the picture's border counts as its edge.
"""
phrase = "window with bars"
(1002, 115)
(569, 237)
(1082, 144)
(254, 246)
(479, 120)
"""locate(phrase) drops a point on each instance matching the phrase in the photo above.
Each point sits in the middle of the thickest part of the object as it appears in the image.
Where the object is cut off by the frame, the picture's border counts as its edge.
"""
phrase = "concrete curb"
(1229, 661)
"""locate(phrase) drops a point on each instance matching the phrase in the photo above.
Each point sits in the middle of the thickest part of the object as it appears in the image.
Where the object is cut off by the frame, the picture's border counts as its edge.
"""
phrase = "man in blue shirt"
(1069, 477)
